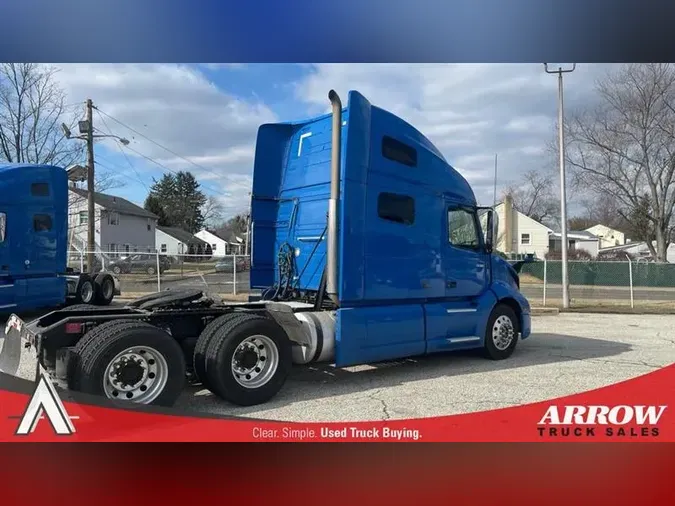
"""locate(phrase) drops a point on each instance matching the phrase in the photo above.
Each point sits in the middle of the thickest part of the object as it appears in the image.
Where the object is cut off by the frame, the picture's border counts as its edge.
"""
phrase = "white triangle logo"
(45, 401)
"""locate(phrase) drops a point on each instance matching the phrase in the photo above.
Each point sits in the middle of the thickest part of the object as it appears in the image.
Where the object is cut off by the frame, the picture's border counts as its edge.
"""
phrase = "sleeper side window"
(396, 208)
(3, 227)
(462, 229)
(399, 152)
(39, 189)
(42, 223)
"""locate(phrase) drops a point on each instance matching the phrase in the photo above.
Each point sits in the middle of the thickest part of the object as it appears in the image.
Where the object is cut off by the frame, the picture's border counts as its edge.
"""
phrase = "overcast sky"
(208, 114)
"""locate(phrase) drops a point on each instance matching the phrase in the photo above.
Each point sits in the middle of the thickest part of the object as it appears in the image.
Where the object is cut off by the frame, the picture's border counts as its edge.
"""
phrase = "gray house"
(122, 227)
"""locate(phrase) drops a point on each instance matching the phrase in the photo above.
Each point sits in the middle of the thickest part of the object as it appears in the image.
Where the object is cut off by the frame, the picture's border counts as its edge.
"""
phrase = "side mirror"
(490, 231)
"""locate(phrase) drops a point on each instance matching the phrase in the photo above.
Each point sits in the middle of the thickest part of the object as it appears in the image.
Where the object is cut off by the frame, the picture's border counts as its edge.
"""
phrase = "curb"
(544, 311)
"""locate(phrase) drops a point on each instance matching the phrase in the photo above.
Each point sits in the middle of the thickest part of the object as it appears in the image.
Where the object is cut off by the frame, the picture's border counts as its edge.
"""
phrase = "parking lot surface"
(566, 354)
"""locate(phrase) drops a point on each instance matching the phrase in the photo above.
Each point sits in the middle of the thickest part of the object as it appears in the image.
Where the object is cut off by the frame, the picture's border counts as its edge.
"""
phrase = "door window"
(42, 223)
(3, 227)
(462, 229)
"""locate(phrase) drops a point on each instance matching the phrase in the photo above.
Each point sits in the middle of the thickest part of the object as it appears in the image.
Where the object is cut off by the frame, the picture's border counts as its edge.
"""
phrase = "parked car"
(226, 265)
(139, 263)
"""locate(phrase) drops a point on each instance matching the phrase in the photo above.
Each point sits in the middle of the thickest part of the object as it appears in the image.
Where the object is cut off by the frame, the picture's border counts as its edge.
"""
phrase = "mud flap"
(18, 352)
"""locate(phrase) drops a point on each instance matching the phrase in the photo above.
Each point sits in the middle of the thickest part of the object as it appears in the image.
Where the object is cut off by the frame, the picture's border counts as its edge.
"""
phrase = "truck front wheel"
(501, 334)
(248, 360)
(129, 361)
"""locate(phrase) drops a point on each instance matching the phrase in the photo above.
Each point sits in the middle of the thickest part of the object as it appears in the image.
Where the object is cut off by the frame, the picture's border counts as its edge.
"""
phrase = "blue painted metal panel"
(34, 199)
(459, 324)
(373, 334)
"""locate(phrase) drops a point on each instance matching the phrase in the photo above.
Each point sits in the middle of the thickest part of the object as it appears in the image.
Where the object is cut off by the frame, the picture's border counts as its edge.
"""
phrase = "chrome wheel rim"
(87, 291)
(503, 332)
(255, 361)
(137, 374)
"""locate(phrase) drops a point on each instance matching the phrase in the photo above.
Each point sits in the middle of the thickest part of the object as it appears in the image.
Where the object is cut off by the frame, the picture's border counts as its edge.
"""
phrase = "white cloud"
(179, 108)
(470, 112)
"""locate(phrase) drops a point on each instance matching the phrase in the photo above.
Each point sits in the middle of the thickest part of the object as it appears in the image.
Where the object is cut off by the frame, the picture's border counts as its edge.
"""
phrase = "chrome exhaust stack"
(335, 163)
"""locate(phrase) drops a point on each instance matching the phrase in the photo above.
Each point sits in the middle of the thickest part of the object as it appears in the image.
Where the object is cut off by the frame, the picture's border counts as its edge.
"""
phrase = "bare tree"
(32, 108)
(625, 147)
(533, 196)
(212, 210)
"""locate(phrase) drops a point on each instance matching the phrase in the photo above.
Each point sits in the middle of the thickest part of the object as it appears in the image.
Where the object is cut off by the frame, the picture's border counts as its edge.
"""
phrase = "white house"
(518, 234)
(175, 242)
(581, 240)
(120, 227)
(222, 245)
(608, 237)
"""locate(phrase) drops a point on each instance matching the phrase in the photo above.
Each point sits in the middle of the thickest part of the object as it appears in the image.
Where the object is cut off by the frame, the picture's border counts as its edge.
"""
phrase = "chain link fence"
(632, 283)
(592, 283)
(141, 273)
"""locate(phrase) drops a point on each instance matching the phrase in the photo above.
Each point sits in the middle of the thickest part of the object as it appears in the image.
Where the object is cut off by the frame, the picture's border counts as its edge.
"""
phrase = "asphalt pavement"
(592, 351)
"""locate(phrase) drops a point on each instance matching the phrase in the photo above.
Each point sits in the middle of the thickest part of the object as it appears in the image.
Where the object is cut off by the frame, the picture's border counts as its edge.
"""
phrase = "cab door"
(453, 323)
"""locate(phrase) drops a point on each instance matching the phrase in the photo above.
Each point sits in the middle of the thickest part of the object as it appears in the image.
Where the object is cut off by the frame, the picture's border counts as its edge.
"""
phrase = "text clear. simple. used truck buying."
(367, 246)
(34, 244)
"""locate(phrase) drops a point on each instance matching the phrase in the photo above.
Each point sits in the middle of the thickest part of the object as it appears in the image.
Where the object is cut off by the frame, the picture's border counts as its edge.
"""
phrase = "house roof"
(578, 234)
(228, 237)
(118, 204)
(182, 235)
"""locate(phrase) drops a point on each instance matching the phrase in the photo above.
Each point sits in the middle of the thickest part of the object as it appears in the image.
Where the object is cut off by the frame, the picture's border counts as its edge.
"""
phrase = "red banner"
(636, 410)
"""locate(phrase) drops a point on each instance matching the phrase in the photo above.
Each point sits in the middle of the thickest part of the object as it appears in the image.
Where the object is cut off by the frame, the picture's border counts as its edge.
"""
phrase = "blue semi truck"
(366, 246)
(34, 244)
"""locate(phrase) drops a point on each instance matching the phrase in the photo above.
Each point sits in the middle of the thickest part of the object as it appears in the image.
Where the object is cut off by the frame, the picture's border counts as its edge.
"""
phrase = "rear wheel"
(129, 361)
(501, 334)
(248, 360)
(199, 354)
(150, 270)
(105, 289)
(117, 269)
(85, 291)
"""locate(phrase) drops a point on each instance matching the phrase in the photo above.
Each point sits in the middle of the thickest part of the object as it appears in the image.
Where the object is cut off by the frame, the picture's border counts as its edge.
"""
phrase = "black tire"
(199, 354)
(105, 289)
(490, 349)
(220, 351)
(150, 270)
(173, 299)
(86, 291)
(97, 348)
(81, 307)
(117, 269)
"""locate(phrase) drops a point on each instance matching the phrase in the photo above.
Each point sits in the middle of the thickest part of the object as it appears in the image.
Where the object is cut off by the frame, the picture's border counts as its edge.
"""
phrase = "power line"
(121, 151)
(171, 151)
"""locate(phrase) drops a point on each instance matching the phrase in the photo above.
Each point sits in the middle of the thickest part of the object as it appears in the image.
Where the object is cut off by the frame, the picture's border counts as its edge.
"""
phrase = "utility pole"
(91, 232)
(563, 197)
(86, 129)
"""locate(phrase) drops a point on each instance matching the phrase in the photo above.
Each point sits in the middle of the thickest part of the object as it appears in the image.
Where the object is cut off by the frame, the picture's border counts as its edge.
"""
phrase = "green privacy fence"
(644, 274)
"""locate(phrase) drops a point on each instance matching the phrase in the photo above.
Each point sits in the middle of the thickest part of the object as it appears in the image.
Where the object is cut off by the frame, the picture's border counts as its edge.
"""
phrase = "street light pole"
(563, 196)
